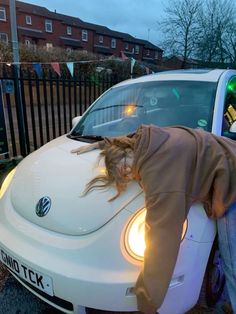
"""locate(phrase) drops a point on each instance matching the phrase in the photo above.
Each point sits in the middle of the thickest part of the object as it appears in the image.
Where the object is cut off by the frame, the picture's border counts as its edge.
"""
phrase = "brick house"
(38, 26)
(178, 62)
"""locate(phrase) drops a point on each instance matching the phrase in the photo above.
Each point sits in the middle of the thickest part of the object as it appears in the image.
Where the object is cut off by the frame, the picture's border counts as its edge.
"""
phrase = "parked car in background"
(75, 252)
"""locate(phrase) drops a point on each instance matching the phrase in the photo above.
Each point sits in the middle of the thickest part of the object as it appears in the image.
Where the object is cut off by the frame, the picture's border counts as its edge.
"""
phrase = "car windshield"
(164, 103)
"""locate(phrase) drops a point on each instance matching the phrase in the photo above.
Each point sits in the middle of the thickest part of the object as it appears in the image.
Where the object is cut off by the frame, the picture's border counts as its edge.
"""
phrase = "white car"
(76, 252)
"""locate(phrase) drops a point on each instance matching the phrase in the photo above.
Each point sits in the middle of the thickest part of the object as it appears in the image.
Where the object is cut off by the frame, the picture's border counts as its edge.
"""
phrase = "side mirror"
(231, 133)
(232, 128)
(75, 120)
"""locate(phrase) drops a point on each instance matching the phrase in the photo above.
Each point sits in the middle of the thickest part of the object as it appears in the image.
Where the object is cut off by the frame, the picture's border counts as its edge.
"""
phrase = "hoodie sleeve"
(166, 213)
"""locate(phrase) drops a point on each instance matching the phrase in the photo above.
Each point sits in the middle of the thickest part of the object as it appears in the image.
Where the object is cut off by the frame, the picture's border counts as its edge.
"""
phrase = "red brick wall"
(5, 26)
(59, 29)
(87, 45)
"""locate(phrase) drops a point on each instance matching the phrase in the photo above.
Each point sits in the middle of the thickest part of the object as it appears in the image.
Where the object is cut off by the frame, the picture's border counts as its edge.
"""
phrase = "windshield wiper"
(85, 138)
(114, 106)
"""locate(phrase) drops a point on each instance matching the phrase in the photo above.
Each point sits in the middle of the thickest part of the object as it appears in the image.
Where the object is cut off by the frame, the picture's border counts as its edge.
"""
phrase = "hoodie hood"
(148, 139)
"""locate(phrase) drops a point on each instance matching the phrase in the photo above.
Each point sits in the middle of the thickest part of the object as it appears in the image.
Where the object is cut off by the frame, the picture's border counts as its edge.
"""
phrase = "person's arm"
(87, 148)
(101, 144)
(166, 213)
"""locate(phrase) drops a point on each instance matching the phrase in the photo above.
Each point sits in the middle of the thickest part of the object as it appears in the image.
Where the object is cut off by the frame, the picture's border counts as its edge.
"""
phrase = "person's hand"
(84, 149)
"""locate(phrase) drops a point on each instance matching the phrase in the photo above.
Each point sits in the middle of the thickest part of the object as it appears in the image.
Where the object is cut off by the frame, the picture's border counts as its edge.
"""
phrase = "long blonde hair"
(114, 151)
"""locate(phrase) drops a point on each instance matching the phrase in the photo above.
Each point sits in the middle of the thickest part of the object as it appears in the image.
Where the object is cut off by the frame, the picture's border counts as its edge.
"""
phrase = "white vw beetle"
(76, 252)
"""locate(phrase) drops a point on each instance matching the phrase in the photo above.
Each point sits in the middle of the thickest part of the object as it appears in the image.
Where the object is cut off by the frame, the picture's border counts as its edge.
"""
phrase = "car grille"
(53, 299)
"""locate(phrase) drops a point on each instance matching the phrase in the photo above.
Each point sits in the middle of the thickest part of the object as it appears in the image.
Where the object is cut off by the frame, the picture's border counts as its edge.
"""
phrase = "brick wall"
(36, 33)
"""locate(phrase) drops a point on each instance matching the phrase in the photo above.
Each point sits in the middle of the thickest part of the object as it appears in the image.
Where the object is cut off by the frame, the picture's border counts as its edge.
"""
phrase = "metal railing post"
(16, 71)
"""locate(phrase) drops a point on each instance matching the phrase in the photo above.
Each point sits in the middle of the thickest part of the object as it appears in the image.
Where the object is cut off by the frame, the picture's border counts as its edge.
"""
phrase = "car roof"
(206, 75)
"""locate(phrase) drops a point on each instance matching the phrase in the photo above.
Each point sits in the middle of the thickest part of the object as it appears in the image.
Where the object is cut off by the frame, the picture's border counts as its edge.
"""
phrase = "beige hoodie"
(176, 167)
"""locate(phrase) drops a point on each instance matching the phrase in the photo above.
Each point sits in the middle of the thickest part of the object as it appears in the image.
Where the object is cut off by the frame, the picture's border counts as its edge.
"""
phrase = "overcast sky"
(136, 17)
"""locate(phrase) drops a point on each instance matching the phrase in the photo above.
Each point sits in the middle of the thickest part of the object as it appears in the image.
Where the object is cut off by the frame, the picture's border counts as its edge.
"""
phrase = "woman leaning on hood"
(176, 166)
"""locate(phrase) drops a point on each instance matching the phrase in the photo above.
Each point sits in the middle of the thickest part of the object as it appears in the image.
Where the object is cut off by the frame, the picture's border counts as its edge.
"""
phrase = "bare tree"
(215, 24)
(230, 43)
(180, 27)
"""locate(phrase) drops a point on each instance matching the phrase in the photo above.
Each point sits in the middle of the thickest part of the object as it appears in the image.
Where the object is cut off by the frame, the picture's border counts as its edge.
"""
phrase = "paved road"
(15, 299)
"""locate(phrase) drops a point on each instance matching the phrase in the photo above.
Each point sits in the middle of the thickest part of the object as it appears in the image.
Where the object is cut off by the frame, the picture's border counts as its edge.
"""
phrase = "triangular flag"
(37, 68)
(70, 66)
(56, 67)
(132, 65)
(147, 70)
(123, 56)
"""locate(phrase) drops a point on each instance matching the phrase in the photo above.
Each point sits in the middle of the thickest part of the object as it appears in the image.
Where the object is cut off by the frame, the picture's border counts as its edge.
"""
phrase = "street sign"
(3, 133)
(8, 86)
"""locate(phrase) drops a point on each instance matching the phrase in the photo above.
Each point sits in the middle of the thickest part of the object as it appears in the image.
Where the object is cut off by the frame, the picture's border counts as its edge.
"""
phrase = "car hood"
(54, 172)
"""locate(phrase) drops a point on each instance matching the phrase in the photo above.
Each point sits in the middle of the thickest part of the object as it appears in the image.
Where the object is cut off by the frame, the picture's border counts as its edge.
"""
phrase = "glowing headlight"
(6, 182)
(135, 235)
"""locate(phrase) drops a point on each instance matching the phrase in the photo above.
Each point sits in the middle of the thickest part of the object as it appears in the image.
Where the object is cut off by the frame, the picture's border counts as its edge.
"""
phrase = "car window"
(229, 121)
(122, 109)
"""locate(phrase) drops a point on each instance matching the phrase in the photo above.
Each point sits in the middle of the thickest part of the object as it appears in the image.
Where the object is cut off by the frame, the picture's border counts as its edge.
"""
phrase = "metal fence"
(38, 109)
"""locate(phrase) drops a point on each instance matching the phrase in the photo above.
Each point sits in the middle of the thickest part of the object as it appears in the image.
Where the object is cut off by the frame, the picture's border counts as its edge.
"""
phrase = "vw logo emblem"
(43, 206)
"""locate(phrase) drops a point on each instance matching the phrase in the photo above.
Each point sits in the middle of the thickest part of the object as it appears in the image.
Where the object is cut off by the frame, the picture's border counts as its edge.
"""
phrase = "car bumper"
(87, 271)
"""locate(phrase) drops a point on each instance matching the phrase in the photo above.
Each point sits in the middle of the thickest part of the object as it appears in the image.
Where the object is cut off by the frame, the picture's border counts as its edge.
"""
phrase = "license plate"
(35, 278)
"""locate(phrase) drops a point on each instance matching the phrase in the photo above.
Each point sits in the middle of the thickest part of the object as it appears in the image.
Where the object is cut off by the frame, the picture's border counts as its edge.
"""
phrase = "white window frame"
(6, 37)
(126, 46)
(113, 43)
(49, 46)
(28, 20)
(27, 42)
(3, 11)
(48, 26)
(84, 35)
(69, 30)
(100, 39)
(136, 49)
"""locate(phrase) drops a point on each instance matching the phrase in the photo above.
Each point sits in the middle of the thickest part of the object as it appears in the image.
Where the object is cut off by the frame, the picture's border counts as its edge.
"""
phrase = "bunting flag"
(37, 68)
(70, 66)
(132, 65)
(123, 56)
(56, 67)
(147, 70)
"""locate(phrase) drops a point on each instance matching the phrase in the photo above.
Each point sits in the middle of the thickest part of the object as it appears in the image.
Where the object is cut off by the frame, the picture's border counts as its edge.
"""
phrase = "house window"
(3, 14)
(49, 46)
(126, 46)
(3, 38)
(33, 46)
(113, 43)
(27, 42)
(156, 55)
(148, 52)
(84, 35)
(48, 26)
(100, 39)
(28, 20)
(69, 30)
(136, 49)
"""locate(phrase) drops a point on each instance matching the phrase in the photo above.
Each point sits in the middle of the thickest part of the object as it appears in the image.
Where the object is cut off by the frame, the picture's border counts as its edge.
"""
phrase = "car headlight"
(7, 182)
(135, 235)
